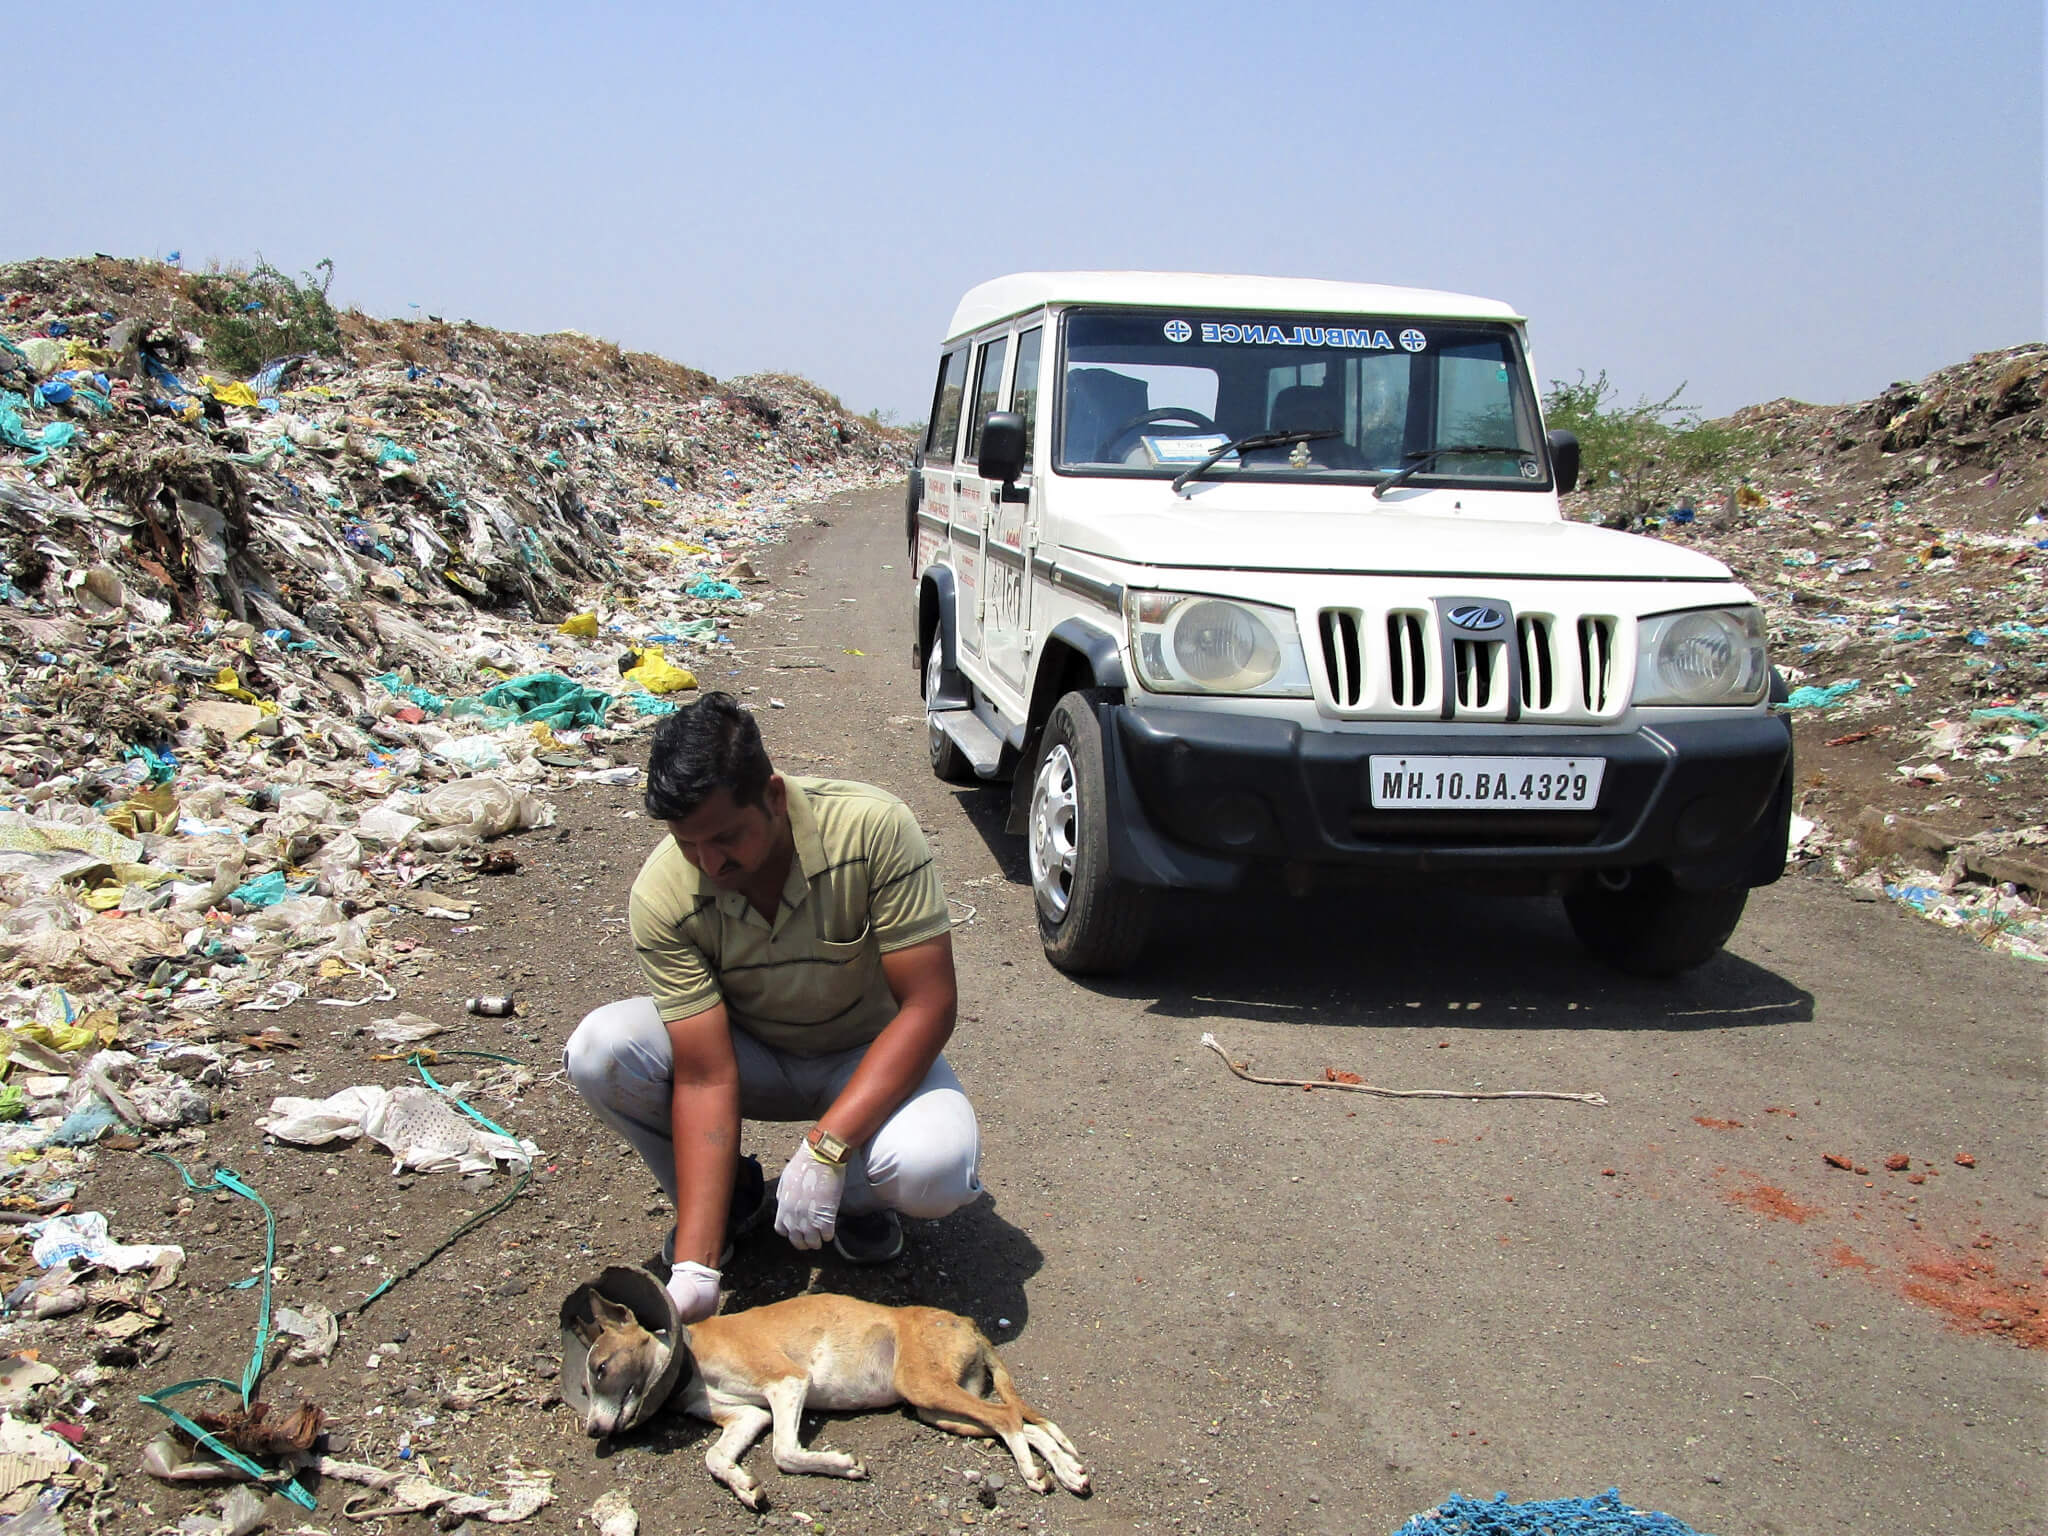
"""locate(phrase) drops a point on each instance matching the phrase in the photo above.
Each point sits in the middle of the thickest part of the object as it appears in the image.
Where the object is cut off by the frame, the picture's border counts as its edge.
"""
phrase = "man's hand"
(694, 1288)
(807, 1199)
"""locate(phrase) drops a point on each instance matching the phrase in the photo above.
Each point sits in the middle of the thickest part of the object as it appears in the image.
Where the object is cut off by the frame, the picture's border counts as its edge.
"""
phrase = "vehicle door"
(938, 538)
(971, 499)
(1012, 521)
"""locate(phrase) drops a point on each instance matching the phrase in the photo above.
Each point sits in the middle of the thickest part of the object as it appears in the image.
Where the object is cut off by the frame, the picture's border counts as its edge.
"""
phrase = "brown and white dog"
(764, 1366)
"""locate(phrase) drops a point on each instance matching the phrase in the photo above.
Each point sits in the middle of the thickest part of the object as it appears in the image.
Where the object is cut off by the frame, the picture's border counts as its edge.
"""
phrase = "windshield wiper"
(1254, 440)
(1420, 460)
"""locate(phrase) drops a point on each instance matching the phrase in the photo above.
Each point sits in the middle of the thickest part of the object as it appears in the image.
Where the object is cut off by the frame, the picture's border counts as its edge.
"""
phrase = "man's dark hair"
(702, 748)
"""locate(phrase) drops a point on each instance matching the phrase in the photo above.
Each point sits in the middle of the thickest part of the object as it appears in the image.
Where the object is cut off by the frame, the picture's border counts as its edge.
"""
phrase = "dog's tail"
(1000, 1382)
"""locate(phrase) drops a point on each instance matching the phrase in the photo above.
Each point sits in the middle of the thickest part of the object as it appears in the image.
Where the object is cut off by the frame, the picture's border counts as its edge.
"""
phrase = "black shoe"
(749, 1205)
(875, 1238)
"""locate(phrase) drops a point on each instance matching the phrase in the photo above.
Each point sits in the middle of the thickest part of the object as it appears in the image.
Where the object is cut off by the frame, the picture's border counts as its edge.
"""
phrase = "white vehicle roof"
(1002, 297)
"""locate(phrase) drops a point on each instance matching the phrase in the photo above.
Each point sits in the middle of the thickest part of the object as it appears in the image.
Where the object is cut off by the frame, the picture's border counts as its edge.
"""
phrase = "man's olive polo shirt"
(862, 884)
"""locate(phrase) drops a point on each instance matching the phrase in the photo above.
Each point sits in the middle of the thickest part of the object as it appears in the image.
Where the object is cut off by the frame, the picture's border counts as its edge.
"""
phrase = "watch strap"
(826, 1147)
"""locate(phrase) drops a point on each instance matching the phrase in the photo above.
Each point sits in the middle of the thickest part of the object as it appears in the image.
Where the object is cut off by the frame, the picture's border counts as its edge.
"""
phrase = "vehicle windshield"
(1153, 393)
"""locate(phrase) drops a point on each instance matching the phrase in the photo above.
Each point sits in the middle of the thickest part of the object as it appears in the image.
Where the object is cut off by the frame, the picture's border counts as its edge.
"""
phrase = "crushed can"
(491, 1007)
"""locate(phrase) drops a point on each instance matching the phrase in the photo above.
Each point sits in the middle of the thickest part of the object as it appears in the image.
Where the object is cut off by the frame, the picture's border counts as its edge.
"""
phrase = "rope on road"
(1243, 1070)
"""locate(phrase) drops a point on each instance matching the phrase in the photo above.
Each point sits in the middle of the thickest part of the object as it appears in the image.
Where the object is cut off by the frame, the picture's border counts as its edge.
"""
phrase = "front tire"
(1652, 927)
(948, 762)
(1090, 922)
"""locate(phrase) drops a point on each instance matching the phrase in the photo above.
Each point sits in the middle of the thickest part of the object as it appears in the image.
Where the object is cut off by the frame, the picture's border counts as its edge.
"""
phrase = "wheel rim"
(1055, 832)
(936, 740)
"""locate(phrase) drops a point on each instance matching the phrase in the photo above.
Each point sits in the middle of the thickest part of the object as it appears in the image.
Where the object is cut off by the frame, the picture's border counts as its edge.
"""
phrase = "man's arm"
(704, 1112)
(921, 978)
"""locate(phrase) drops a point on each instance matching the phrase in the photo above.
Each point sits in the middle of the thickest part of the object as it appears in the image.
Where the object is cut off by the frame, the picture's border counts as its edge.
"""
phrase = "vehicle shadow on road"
(1365, 954)
(1385, 957)
(987, 809)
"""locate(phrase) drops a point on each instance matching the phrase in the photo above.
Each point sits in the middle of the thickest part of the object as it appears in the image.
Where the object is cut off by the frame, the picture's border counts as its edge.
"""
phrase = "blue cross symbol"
(1413, 340)
(1178, 330)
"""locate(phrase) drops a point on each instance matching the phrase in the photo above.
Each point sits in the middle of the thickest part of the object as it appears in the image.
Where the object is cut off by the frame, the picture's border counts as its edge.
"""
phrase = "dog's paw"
(743, 1487)
(1038, 1483)
(857, 1470)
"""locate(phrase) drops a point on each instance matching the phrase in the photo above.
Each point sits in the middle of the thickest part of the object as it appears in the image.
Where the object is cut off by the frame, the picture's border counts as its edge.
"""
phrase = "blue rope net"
(1603, 1515)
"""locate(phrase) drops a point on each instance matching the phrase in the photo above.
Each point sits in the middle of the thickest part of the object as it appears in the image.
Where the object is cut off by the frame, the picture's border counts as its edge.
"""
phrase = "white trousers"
(923, 1162)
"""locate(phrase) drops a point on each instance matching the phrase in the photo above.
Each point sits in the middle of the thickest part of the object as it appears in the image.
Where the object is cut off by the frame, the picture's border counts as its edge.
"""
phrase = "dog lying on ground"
(764, 1366)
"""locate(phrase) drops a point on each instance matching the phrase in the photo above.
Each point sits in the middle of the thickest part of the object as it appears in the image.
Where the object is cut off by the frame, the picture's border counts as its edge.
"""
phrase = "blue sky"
(1755, 200)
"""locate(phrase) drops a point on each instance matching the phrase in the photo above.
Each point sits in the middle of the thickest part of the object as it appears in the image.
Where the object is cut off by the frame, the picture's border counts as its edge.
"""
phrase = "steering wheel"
(1114, 450)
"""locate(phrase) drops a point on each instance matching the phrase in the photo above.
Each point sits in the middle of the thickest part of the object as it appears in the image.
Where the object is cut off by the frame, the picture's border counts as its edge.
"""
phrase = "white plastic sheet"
(83, 1236)
(420, 1129)
(475, 810)
(384, 824)
(476, 753)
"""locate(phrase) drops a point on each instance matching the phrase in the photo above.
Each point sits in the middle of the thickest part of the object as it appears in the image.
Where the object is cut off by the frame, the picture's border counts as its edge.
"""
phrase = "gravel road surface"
(1271, 1309)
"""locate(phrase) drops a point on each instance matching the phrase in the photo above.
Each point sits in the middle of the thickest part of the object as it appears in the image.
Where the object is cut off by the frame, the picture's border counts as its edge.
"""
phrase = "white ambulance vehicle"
(1239, 577)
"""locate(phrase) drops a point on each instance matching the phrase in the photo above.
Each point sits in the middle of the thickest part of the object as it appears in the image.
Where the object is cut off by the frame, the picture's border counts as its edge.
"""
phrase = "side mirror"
(1564, 459)
(1003, 449)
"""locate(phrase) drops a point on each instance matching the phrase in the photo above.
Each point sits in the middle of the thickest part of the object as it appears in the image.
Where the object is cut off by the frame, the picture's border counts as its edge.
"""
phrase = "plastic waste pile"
(278, 651)
(1900, 546)
(282, 656)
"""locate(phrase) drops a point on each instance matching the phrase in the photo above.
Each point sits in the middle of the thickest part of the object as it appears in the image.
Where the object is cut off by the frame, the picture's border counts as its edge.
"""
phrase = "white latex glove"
(807, 1199)
(694, 1288)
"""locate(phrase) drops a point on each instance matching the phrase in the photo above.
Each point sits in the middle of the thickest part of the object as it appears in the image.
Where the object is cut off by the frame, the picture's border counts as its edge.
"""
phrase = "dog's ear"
(610, 1314)
(588, 1330)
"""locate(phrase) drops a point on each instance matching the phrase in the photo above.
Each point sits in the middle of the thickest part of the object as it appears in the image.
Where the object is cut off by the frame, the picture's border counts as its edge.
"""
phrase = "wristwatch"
(827, 1148)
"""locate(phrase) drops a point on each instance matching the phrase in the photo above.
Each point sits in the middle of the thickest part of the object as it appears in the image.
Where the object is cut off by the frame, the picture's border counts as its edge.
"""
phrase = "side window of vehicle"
(946, 401)
(988, 388)
(1024, 389)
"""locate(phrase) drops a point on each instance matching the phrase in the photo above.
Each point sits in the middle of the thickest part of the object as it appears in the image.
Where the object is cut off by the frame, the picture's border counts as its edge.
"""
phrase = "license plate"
(1486, 783)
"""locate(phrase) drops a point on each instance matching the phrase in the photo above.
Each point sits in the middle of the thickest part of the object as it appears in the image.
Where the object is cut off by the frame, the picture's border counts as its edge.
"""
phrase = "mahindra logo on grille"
(1477, 616)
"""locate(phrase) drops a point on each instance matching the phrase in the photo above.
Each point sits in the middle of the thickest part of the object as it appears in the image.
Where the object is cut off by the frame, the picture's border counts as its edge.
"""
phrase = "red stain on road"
(1842, 1256)
(1968, 1291)
(1716, 1125)
(1769, 1200)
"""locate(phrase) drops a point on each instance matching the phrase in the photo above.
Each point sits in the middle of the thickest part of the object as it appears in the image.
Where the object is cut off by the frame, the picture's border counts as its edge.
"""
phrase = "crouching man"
(796, 942)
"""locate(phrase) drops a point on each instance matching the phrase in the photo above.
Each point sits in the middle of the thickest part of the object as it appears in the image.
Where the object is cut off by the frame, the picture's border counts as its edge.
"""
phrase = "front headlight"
(1184, 642)
(1705, 656)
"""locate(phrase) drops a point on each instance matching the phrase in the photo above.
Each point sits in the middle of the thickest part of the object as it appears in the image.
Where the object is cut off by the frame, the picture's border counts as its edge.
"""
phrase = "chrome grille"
(1343, 661)
(1407, 660)
(1539, 674)
(1596, 662)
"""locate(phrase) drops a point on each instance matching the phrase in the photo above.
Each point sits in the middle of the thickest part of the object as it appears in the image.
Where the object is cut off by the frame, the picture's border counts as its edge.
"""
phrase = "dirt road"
(1254, 1308)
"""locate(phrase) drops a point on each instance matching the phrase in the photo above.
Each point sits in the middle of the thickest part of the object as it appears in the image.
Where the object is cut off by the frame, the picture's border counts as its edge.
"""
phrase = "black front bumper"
(1197, 797)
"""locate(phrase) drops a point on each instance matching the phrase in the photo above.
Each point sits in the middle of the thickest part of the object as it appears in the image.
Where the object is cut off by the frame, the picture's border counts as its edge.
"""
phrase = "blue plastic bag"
(1822, 698)
(267, 890)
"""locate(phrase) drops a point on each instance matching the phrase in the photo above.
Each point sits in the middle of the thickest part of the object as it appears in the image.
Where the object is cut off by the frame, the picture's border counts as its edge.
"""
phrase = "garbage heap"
(276, 648)
(283, 651)
(1900, 546)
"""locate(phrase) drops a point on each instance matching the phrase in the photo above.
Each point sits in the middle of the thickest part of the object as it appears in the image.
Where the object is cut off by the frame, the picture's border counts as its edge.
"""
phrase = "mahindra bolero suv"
(1226, 572)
